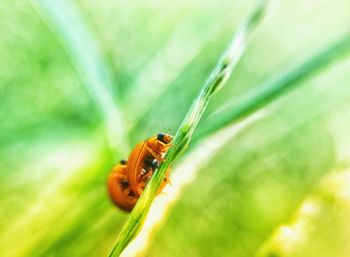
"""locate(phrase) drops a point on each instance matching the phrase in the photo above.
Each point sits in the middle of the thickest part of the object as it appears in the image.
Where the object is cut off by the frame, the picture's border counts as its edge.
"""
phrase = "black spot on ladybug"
(160, 137)
(124, 183)
(151, 162)
(132, 194)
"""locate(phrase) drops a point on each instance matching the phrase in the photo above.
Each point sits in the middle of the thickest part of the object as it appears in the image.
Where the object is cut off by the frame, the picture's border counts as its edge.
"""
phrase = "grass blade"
(215, 82)
(273, 87)
(79, 42)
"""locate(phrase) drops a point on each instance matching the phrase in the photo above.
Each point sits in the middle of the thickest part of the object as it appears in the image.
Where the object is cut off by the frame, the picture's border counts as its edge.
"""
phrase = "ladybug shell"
(119, 189)
(139, 170)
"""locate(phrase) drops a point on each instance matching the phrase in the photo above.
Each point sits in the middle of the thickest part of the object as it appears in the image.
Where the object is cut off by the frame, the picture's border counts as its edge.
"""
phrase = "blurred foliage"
(55, 154)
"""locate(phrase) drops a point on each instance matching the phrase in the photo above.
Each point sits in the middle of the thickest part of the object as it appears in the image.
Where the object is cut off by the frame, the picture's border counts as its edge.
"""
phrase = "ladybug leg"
(144, 172)
(144, 177)
(167, 180)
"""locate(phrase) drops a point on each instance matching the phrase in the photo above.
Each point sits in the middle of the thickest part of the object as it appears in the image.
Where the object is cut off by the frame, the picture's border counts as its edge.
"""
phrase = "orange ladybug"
(129, 178)
(119, 189)
(145, 158)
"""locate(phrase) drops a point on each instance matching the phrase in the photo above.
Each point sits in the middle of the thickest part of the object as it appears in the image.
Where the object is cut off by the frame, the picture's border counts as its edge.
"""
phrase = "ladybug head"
(161, 142)
(165, 138)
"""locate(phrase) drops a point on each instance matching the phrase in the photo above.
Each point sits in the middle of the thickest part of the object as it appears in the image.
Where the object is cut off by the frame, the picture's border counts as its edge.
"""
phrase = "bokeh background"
(81, 82)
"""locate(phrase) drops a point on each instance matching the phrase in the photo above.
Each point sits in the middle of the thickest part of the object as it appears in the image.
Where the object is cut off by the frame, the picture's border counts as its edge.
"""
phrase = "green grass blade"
(215, 82)
(79, 42)
(274, 87)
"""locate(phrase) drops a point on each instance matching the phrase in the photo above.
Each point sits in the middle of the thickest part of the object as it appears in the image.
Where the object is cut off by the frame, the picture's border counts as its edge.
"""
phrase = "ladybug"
(119, 189)
(145, 159)
(128, 179)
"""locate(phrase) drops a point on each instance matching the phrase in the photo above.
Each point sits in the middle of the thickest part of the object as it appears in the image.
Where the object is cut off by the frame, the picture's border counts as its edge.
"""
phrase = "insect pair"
(128, 179)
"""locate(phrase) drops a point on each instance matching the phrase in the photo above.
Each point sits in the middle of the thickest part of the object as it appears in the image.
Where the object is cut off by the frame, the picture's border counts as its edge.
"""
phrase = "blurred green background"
(72, 106)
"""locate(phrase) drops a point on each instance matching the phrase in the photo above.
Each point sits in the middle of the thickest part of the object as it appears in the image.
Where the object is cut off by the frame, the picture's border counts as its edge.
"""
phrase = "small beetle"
(128, 179)
(144, 159)
(119, 189)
